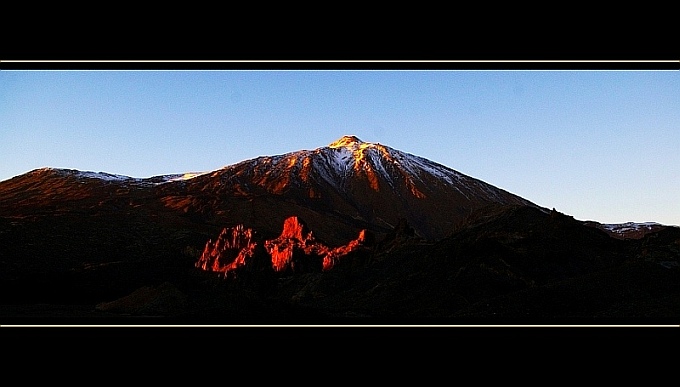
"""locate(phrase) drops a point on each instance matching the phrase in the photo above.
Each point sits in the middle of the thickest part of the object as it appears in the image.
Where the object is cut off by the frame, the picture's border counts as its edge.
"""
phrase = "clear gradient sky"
(596, 145)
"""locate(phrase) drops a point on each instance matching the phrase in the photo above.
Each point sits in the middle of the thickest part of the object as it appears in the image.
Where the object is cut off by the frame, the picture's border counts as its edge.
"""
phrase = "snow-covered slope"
(351, 154)
(632, 229)
(628, 230)
(630, 226)
(385, 169)
(110, 177)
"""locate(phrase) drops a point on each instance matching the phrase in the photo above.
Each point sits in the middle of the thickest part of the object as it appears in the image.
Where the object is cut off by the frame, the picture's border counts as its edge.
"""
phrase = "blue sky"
(597, 145)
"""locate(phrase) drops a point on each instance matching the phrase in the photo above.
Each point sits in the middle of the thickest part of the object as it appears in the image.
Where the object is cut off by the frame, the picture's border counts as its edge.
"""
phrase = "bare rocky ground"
(506, 266)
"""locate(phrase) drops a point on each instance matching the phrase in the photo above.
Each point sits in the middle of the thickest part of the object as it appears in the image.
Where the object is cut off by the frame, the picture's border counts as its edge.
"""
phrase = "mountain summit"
(346, 141)
(350, 183)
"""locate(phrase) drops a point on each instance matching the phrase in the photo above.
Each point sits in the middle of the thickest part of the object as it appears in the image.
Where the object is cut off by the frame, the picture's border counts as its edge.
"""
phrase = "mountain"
(356, 184)
(338, 189)
(352, 230)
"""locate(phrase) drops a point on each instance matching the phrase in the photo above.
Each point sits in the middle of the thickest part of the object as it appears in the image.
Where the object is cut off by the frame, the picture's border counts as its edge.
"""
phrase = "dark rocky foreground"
(502, 266)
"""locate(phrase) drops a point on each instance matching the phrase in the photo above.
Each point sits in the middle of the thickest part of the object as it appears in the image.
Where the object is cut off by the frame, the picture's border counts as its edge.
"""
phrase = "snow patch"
(103, 176)
(349, 153)
(350, 150)
(181, 176)
(111, 177)
(630, 226)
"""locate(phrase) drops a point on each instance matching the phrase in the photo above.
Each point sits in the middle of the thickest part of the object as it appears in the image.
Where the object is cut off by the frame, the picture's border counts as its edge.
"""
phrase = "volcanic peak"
(358, 148)
(350, 154)
(349, 141)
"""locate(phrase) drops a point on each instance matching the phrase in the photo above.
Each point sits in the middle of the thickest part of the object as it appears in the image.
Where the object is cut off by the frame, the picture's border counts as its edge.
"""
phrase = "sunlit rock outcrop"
(296, 250)
(232, 248)
(364, 242)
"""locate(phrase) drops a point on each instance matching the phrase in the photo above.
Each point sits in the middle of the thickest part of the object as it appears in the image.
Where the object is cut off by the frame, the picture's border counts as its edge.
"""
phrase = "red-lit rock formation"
(363, 242)
(232, 248)
(295, 250)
